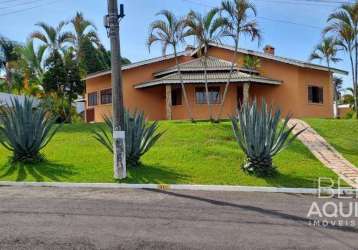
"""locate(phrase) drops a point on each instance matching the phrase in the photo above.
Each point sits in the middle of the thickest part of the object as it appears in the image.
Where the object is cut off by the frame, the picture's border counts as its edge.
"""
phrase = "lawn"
(201, 153)
(342, 134)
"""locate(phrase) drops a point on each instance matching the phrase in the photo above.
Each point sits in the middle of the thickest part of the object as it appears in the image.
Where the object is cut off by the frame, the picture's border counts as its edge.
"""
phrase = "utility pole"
(111, 22)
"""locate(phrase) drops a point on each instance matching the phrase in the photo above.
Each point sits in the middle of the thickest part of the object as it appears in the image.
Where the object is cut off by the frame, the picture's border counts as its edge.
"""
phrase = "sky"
(293, 27)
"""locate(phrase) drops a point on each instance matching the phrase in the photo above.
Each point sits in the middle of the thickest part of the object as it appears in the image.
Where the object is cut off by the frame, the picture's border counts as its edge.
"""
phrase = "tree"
(236, 13)
(205, 29)
(31, 63)
(92, 59)
(170, 32)
(251, 62)
(8, 59)
(84, 40)
(55, 75)
(53, 38)
(63, 77)
(327, 51)
(348, 98)
(338, 86)
(343, 23)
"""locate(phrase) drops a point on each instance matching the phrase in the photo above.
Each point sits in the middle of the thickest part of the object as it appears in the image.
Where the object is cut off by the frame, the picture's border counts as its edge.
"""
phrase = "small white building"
(5, 99)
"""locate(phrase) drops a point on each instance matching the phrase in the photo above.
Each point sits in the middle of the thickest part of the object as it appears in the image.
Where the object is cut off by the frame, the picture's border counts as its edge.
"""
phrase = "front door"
(90, 115)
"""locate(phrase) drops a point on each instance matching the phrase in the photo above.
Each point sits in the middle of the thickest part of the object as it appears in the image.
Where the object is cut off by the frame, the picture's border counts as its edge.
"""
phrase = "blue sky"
(293, 27)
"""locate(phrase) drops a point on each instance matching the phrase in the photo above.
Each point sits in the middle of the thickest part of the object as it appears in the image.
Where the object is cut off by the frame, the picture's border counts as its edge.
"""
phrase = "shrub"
(259, 135)
(139, 137)
(25, 129)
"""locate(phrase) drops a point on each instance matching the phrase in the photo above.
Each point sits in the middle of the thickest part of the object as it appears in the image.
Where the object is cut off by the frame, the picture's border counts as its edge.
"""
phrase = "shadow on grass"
(154, 174)
(45, 171)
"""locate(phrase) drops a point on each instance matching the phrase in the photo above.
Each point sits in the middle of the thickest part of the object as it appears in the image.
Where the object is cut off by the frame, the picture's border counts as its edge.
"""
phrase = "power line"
(20, 4)
(9, 1)
(265, 18)
(303, 2)
(27, 9)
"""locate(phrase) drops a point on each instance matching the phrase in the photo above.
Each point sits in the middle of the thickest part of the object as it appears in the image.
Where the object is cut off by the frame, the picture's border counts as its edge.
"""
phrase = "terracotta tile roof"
(213, 77)
(213, 64)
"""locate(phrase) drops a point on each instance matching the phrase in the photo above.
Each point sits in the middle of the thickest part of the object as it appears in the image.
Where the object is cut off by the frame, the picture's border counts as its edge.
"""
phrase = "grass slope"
(200, 153)
(341, 134)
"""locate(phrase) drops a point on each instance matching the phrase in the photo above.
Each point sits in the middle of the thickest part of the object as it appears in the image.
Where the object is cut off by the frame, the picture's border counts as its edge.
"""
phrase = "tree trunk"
(182, 86)
(355, 94)
(229, 79)
(168, 101)
(355, 90)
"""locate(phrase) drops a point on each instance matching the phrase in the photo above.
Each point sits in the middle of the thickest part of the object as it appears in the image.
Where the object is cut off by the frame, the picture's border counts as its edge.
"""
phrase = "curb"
(167, 187)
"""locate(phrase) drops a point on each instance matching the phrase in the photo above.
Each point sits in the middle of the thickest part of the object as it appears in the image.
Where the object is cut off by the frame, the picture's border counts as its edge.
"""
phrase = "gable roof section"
(294, 62)
(213, 64)
(134, 65)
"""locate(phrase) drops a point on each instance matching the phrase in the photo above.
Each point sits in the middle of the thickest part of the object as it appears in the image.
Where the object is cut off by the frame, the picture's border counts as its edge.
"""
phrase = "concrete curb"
(168, 187)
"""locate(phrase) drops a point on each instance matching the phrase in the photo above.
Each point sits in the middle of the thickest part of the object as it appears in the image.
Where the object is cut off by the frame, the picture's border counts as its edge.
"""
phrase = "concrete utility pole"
(112, 24)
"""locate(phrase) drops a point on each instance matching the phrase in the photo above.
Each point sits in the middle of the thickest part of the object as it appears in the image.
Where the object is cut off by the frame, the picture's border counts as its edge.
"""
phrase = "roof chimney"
(268, 49)
(189, 49)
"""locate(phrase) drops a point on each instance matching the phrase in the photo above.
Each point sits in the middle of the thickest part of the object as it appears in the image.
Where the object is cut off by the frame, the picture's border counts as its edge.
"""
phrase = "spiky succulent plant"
(261, 136)
(25, 129)
(139, 137)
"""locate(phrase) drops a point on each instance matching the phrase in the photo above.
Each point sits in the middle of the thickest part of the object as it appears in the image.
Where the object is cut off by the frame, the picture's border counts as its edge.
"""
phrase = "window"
(315, 94)
(176, 96)
(214, 95)
(106, 96)
(92, 99)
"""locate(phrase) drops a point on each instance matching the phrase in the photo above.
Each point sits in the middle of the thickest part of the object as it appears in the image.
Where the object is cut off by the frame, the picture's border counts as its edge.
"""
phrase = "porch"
(193, 76)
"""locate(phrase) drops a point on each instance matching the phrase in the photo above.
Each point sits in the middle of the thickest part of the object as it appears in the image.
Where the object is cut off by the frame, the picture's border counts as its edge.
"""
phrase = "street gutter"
(168, 187)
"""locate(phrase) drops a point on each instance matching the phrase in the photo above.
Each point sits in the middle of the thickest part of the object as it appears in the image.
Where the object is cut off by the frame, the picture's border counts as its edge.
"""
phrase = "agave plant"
(261, 137)
(25, 129)
(139, 137)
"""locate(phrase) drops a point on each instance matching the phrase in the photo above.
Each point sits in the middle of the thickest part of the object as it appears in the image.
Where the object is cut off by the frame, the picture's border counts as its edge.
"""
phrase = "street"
(67, 218)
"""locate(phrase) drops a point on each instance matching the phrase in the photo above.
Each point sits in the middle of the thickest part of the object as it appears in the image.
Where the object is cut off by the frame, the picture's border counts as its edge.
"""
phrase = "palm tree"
(170, 32)
(327, 51)
(32, 60)
(84, 31)
(54, 38)
(251, 62)
(237, 13)
(8, 59)
(205, 29)
(343, 23)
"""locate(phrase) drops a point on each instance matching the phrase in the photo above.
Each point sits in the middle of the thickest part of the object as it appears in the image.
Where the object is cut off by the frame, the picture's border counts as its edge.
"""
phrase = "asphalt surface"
(52, 218)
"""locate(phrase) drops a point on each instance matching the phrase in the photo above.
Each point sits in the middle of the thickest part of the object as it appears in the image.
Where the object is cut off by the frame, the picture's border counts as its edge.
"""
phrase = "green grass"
(201, 153)
(342, 134)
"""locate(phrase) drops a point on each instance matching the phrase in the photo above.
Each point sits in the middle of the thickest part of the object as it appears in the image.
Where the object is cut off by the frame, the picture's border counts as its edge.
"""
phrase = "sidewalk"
(326, 153)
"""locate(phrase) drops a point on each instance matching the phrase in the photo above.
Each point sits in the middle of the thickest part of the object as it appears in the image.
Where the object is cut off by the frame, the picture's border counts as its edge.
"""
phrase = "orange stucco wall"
(291, 96)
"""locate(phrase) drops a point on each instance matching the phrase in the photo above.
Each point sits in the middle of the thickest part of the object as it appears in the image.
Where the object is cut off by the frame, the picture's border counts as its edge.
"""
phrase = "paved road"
(51, 218)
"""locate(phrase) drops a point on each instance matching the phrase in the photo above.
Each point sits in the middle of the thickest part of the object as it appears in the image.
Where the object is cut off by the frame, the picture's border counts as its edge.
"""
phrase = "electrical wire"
(265, 18)
(20, 5)
(27, 9)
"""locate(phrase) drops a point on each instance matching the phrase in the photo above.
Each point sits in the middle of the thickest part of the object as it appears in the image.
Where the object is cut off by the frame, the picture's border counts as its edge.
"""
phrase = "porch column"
(168, 101)
(246, 92)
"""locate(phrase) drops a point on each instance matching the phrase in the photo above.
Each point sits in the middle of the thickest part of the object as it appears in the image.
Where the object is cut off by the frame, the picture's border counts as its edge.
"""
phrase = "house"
(153, 86)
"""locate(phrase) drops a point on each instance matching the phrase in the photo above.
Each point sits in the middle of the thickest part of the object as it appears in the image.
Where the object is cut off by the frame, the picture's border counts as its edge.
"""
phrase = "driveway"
(52, 218)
